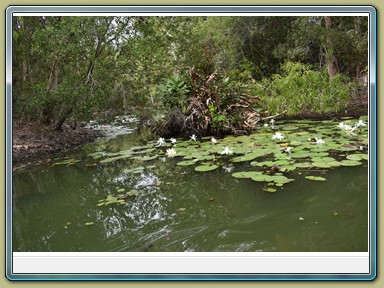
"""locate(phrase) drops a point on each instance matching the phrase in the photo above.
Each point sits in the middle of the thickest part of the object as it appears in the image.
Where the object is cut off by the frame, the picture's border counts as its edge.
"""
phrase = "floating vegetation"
(118, 199)
(70, 161)
(315, 178)
(206, 168)
(267, 155)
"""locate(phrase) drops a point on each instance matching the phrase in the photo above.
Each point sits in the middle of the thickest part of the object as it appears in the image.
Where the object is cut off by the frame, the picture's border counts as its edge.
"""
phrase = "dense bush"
(299, 87)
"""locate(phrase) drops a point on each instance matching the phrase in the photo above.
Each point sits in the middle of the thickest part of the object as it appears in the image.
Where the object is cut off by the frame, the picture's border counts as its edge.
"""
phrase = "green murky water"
(169, 207)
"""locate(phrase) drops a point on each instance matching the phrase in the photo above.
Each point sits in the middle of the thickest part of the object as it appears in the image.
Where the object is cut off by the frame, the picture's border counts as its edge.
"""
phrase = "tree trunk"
(52, 85)
(332, 64)
(59, 124)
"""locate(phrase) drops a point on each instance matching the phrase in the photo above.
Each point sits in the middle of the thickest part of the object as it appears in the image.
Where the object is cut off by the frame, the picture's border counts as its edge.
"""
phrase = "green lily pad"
(357, 157)
(350, 163)
(300, 155)
(303, 165)
(247, 157)
(67, 162)
(264, 163)
(279, 179)
(136, 170)
(206, 168)
(269, 189)
(321, 165)
(247, 174)
(112, 159)
(261, 178)
(315, 178)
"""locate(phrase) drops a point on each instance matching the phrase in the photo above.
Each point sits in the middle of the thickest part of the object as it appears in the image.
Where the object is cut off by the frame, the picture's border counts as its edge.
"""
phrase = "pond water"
(103, 199)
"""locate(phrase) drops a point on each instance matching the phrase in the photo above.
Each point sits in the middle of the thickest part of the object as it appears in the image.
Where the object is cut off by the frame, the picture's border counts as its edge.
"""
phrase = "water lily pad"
(112, 159)
(269, 189)
(279, 179)
(248, 157)
(350, 163)
(264, 163)
(261, 178)
(303, 165)
(321, 165)
(206, 168)
(135, 170)
(315, 178)
(300, 155)
(357, 157)
(145, 158)
(67, 162)
(246, 174)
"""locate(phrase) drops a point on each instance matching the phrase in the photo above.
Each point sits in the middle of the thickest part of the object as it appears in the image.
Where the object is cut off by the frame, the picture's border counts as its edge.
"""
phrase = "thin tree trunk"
(59, 124)
(52, 85)
(333, 66)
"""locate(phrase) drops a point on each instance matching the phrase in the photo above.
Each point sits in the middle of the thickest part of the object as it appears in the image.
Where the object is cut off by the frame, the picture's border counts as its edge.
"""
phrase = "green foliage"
(174, 93)
(130, 63)
(300, 88)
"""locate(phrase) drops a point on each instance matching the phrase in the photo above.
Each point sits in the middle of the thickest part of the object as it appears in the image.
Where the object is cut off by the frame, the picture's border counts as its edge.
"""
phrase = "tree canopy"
(71, 67)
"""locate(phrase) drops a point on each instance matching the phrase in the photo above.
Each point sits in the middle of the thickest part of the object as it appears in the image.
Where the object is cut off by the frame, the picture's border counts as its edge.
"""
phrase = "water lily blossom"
(227, 150)
(288, 150)
(272, 121)
(278, 136)
(228, 169)
(193, 137)
(319, 141)
(173, 141)
(360, 123)
(214, 141)
(265, 124)
(171, 152)
(341, 125)
(161, 141)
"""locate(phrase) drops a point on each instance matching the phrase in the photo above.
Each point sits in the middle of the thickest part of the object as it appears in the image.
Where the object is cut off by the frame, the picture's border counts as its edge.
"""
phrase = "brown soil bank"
(33, 141)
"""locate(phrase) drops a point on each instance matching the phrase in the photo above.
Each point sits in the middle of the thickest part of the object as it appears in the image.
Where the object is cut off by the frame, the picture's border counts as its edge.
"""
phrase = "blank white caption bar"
(154, 263)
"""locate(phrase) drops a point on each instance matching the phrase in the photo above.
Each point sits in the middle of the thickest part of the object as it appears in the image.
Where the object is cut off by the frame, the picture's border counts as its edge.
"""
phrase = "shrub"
(298, 87)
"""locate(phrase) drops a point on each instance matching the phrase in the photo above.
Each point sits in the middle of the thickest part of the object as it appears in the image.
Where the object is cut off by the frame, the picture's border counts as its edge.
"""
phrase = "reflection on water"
(179, 209)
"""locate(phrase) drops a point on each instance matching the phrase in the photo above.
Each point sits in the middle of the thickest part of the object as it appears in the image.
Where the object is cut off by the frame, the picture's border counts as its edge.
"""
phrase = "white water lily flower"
(193, 137)
(361, 147)
(227, 150)
(173, 140)
(288, 150)
(319, 141)
(360, 123)
(228, 169)
(278, 136)
(214, 141)
(341, 125)
(272, 121)
(171, 152)
(265, 124)
(161, 141)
